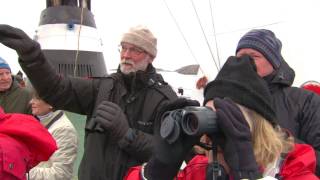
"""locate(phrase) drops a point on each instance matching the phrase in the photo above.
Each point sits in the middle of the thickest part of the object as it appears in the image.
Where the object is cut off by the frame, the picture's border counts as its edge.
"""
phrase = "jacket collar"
(281, 77)
(141, 79)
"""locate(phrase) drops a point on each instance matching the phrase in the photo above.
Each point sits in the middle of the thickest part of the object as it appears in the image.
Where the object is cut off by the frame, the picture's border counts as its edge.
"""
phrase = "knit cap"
(265, 42)
(239, 81)
(143, 38)
(4, 64)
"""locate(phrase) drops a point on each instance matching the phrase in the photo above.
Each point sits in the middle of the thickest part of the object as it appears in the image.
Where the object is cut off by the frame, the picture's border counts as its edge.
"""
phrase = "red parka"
(299, 164)
(24, 142)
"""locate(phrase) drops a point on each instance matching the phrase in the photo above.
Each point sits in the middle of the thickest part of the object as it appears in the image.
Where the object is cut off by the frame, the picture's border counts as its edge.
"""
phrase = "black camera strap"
(215, 171)
(205, 146)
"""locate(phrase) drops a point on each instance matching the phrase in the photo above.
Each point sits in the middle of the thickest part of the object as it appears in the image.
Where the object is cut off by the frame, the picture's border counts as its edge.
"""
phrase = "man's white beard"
(142, 66)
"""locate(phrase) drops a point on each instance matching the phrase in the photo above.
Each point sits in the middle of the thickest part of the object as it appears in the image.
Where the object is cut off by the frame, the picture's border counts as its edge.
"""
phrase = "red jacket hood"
(301, 162)
(27, 130)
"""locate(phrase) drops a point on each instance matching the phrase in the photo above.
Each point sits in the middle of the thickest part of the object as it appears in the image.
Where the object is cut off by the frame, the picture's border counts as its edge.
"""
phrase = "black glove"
(18, 40)
(111, 117)
(237, 144)
(167, 158)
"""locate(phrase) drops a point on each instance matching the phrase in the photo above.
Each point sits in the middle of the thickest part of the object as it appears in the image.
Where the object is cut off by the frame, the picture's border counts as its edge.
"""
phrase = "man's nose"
(126, 54)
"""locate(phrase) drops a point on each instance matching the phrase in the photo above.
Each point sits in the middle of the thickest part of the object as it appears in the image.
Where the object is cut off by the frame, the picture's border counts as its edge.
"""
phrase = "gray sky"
(295, 22)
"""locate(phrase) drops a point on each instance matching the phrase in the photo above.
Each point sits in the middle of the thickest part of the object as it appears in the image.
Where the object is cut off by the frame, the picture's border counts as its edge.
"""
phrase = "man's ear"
(150, 59)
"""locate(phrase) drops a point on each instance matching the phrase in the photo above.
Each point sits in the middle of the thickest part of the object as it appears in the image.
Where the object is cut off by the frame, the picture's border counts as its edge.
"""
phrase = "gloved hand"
(17, 39)
(111, 117)
(167, 158)
(237, 143)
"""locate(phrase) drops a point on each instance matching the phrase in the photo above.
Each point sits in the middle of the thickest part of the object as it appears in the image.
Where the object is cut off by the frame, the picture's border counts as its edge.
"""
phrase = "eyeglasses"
(133, 50)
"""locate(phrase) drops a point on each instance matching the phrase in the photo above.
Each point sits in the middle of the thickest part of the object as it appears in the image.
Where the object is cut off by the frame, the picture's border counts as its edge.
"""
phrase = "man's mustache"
(127, 61)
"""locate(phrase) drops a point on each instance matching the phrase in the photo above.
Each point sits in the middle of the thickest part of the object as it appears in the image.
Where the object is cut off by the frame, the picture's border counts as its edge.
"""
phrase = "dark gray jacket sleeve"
(310, 124)
(67, 93)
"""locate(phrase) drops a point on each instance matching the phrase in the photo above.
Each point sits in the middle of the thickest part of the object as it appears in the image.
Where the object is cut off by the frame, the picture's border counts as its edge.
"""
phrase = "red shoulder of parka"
(300, 164)
(195, 169)
(133, 173)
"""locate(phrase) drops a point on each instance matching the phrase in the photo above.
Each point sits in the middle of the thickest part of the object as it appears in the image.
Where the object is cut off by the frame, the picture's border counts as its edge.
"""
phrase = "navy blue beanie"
(265, 42)
(4, 64)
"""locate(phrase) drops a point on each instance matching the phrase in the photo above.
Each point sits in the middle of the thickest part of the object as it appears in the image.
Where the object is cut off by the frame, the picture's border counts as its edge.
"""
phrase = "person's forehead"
(249, 51)
(129, 45)
(4, 70)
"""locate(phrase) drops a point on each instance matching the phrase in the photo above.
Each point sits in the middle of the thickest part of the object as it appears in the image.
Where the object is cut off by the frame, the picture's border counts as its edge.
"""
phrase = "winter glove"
(237, 145)
(18, 40)
(111, 118)
(168, 157)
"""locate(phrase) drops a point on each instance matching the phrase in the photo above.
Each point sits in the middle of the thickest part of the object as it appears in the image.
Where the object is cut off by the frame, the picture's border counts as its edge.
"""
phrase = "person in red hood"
(24, 142)
(312, 86)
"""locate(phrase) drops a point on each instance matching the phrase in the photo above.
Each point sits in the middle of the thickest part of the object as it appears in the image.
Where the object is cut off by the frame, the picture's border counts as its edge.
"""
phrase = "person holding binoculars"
(247, 142)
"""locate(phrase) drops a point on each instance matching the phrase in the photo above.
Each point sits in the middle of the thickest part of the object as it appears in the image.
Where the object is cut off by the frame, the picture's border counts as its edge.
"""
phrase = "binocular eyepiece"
(191, 120)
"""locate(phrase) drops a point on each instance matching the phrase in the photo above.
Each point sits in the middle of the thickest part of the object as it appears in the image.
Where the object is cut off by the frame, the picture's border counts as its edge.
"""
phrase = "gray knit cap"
(265, 42)
(141, 37)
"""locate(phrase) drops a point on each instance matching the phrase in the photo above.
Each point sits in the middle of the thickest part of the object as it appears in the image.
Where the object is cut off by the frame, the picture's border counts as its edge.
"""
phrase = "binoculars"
(190, 120)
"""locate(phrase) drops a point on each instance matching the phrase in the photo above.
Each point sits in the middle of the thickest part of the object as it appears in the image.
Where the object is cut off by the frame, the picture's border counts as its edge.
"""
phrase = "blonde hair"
(268, 141)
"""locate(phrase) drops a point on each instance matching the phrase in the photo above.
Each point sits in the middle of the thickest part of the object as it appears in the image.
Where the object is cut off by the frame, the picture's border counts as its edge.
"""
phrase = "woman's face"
(39, 107)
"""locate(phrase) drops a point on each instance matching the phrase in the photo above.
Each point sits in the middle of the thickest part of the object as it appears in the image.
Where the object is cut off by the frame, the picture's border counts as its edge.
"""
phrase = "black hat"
(239, 81)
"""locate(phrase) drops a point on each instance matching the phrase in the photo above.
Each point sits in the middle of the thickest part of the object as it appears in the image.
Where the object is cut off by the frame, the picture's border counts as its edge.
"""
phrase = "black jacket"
(297, 110)
(104, 158)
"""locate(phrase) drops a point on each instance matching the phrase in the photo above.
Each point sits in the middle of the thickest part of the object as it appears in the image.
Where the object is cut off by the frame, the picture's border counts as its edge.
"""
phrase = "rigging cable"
(183, 36)
(78, 45)
(214, 34)
(209, 47)
(253, 27)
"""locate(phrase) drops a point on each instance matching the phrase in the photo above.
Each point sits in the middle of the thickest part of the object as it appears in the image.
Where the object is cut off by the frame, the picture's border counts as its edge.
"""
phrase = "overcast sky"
(295, 22)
